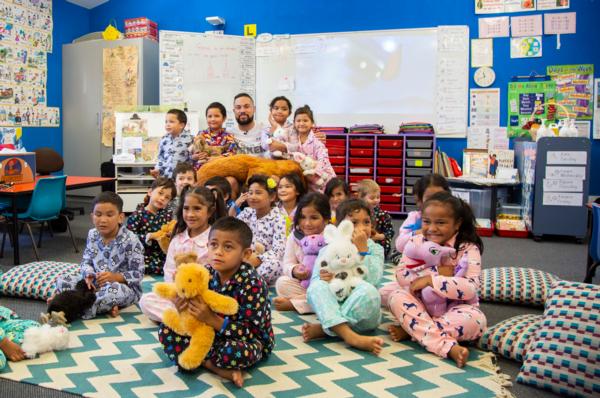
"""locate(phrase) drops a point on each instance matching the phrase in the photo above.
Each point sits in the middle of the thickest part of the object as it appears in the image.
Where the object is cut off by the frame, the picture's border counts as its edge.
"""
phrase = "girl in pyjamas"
(360, 311)
(150, 217)
(200, 208)
(267, 224)
(448, 221)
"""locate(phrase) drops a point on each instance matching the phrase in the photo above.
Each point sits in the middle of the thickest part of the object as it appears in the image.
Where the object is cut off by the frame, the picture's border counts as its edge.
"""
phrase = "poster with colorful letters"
(574, 89)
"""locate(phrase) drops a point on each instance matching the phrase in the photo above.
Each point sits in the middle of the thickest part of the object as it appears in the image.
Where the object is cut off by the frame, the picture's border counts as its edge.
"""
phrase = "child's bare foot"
(49, 299)
(365, 343)
(312, 331)
(114, 311)
(459, 354)
(234, 375)
(283, 304)
(397, 333)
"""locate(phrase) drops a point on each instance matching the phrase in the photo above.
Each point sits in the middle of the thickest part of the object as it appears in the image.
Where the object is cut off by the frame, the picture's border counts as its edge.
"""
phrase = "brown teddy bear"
(163, 235)
(242, 167)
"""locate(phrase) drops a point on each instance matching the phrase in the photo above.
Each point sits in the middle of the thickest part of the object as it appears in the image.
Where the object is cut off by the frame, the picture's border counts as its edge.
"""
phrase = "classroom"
(394, 198)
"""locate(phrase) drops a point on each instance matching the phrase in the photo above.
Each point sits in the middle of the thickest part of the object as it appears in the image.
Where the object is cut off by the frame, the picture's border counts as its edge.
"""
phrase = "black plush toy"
(69, 305)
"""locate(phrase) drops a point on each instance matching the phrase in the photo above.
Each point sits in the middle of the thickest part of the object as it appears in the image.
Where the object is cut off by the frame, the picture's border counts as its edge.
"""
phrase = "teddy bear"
(191, 280)
(163, 235)
(69, 305)
(340, 257)
(309, 167)
(44, 338)
(242, 167)
(310, 245)
(278, 134)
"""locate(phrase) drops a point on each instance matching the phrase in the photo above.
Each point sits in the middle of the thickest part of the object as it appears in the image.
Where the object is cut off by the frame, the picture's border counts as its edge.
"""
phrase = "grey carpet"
(562, 257)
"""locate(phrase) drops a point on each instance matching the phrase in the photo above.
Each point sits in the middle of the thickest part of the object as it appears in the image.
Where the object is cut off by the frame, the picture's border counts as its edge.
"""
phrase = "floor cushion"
(511, 337)
(34, 280)
(515, 285)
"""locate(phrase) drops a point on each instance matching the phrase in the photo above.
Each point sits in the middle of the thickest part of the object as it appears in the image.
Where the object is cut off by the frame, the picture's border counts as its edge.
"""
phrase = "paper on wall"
(583, 128)
(498, 138)
(561, 172)
(485, 107)
(559, 23)
(529, 25)
(493, 27)
(477, 137)
(526, 47)
(552, 4)
(498, 6)
(566, 157)
(561, 185)
(562, 199)
(482, 52)
(597, 109)
(574, 89)
(131, 144)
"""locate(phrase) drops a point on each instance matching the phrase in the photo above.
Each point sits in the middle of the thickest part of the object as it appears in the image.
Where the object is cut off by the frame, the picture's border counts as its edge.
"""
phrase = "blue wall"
(334, 15)
(70, 21)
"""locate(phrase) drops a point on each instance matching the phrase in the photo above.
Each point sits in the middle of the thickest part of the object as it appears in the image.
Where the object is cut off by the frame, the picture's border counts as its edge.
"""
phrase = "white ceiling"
(89, 4)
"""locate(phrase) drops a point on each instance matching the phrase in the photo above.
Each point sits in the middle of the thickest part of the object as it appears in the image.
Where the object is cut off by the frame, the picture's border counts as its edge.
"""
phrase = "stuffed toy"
(45, 338)
(200, 145)
(71, 303)
(309, 167)
(310, 246)
(277, 135)
(242, 167)
(420, 258)
(163, 235)
(340, 257)
(191, 280)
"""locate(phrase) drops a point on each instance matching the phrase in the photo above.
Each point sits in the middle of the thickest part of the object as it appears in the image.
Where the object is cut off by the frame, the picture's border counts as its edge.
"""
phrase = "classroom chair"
(47, 201)
(594, 245)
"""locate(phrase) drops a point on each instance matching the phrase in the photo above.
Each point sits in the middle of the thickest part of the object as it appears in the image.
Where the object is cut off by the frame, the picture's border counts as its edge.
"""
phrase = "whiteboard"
(199, 68)
(386, 77)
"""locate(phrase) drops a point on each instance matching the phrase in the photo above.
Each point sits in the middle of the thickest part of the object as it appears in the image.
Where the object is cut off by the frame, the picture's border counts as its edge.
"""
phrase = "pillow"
(34, 280)
(563, 355)
(515, 285)
(511, 337)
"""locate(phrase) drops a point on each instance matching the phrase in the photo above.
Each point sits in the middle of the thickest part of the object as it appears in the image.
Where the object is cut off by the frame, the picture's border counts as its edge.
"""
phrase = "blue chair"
(594, 245)
(47, 201)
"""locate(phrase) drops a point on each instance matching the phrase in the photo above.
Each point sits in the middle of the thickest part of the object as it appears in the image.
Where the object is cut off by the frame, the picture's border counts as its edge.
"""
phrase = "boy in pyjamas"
(113, 260)
(243, 339)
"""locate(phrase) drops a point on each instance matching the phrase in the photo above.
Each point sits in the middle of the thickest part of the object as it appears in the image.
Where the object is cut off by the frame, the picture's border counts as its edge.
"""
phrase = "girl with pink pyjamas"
(447, 221)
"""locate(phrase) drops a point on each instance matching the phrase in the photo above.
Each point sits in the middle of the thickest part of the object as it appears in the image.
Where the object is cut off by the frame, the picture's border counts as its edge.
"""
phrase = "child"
(446, 221)
(241, 340)
(311, 218)
(173, 146)
(150, 217)
(113, 260)
(361, 310)
(312, 147)
(289, 190)
(184, 175)
(268, 226)
(337, 191)
(277, 137)
(12, 330)
(221, 183)
(214, 141)
(199, 209)
(369, 191)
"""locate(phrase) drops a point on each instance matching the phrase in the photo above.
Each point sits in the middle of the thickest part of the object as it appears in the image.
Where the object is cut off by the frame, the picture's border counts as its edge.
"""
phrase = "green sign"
(523, 98)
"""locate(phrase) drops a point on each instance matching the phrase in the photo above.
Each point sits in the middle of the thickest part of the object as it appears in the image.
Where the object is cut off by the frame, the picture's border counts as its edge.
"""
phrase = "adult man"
(248, 132)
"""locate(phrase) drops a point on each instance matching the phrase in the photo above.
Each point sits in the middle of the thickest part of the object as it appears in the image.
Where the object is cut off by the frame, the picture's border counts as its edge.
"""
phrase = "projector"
(215, 20)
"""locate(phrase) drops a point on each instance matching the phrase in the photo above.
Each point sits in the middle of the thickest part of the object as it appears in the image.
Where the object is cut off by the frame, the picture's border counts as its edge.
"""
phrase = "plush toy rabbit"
(44, 338)
(309, 166)
(340, 257)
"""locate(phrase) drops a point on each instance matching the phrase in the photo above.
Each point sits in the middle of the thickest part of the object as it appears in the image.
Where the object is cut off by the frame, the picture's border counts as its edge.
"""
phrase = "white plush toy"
(309, 165)
(340, 257)
(44, 338)
(277, 134)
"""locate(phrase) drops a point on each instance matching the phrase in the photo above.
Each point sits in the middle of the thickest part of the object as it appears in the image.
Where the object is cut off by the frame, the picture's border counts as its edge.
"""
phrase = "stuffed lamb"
(44, 338)
(340, 257)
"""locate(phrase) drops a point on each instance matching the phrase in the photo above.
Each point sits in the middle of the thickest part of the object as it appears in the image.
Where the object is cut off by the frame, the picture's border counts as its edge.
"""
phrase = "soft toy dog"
(309, 167)
(420, 258)
(191, 280)
(242, 167)
(340, 257)
(72, 304)
(310, 246)
(45, 338)
(163, 235)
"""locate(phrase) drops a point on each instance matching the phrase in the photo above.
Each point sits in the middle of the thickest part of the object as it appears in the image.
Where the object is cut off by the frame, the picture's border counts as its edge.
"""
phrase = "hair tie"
(271, 184)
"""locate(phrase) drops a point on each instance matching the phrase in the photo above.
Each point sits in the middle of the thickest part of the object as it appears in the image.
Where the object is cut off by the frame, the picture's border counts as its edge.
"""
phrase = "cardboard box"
(17, 167)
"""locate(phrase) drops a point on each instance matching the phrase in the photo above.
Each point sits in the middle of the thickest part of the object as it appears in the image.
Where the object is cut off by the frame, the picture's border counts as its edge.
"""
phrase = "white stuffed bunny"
(44, 338)
(277, 135)
(309, 165)
(340, 257)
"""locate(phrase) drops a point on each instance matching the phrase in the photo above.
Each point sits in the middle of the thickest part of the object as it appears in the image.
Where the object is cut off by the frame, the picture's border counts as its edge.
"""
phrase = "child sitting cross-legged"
(113, 260)
(243, 339)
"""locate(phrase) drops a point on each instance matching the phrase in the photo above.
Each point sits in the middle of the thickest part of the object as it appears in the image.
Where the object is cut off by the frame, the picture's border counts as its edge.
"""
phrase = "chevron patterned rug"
(111, 357)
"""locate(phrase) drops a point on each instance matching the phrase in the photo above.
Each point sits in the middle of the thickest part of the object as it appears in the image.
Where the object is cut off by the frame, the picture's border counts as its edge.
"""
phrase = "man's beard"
(246, 122)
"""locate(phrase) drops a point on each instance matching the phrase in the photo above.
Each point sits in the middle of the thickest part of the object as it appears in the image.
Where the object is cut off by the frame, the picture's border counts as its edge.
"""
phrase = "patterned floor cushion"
(564, 354)
(511, 337)
(515, 285)
(34, 280)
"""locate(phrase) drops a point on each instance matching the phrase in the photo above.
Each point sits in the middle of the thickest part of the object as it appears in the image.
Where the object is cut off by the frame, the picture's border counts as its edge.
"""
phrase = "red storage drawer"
(333, 142)
(388, 181)
(337, 160)
(339, 170)
(393, 198)
(361, 143)
(390, 153)
(361, 161)
(362, 152)
(336, 151)
(386, 143)
(392, 208)
(362, 170)
(390, 171)
(355, 179)
(397, 189)
(389, 162)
